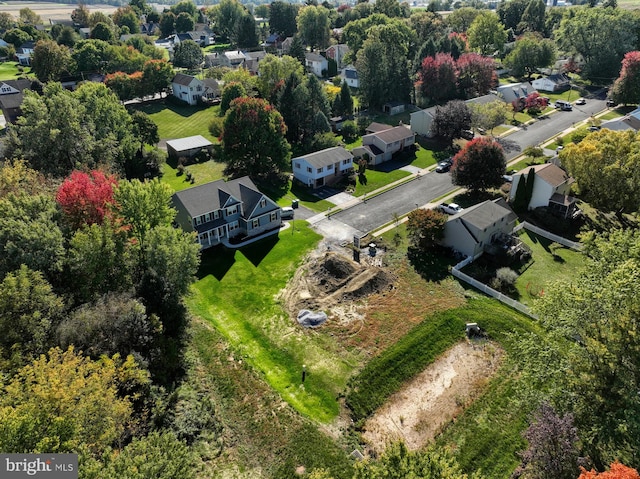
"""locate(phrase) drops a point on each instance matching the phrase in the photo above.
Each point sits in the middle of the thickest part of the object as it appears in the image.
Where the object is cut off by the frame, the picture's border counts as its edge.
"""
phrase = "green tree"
(529, 54)
(167, 24)
(7, 22)
(531, 179)
(64, 401)
(29, 234)
(90, 55)
(510, 13)
(98, 261)
(601, 36)
(184, 23)
(426, 228)
(297, 49)
(156, 76)
(520, 203)
(103, 32)
(114, 324)
(461, 19)
(145, 129)
(157, 456)
(345, 99)
(16, 37)
(282, 18)
(29, 17)
(605, 167)
(253, 140)
(245, 34)
(80, 15)
(479, 165)
(273, 70)
(533, 18)
(143, 206)
(390, 8)
(230, 92)
(313, 25)
(50, 60)
(225, 16)
(486, 33)
(28, 308)
(185, 6)
(127, 17)
(188, 55)
(488, 115)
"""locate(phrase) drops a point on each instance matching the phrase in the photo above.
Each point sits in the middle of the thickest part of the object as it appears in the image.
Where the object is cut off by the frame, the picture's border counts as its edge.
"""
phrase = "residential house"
(85, 32)
(188, 147)
(394, 107)
(274, 41)
(349, 74)
(215, 59)
(552, 83)
(11, 96)
(24, 53)
(515, 91)
(551, 188)
(421, 122)
(220, 211)
(375, 127)
(630, 121)
(234, 59)
(187, 88)
(382, 145)
(324, 167)
(212, 90)
(475, 228)
(316, 64)
(252, 60)
(286, 45)
(337, 53)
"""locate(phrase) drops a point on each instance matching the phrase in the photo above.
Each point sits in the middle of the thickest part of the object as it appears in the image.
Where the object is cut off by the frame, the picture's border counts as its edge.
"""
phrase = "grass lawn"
(304, 196)
(378, 179)
(202, 172)
(10, 71)
(181, 121)
(546, 268)
(236, 294)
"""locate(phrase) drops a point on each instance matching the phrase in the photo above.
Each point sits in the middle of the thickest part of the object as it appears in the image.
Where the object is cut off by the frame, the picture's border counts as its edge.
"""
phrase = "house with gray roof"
(350, 75)
(382, 145)
(316, 64)
(11, 96)
(325, 167)
(630, 121)
(551, 188)
(188, 147)
(187, 88)
(474, 229)
(222, 212)
(515, 91)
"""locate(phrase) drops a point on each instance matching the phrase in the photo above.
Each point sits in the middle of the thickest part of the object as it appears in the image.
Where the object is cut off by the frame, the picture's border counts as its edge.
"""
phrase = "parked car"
(507, 178)
(610, 102)
(286, 213)
(467, 134)
(444, 166)
(563, 105)
(451, 208)
(581, 101)
(595, 128)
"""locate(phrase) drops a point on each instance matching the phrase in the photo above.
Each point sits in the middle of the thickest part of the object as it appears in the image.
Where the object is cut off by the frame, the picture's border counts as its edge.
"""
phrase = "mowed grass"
(236, 293)
(202, 172)
(378, 179)
(10, 71)
(546, 268)
(176, 121)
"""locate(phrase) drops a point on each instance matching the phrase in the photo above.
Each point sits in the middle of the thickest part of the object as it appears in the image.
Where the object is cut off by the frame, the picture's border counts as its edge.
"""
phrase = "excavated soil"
(420, 410)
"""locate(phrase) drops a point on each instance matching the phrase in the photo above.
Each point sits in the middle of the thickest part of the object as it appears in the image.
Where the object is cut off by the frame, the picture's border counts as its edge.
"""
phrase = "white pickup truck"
(451, 208)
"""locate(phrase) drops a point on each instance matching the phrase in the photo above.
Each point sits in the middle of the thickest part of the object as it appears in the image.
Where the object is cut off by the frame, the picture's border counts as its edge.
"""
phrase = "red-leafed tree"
(85, 197)
(125, 86)
(426, 228)
(476, 75)
(479, 165)
(534, 103)
(626, 89)
(437, 77)
(616, 471)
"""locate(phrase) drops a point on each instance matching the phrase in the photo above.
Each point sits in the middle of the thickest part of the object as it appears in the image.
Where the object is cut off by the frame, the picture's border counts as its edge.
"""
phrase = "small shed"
(188, 147)
(393, 107)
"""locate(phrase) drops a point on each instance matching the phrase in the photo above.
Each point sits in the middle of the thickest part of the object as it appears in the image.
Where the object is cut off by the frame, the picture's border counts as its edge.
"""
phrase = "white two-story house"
(324, 167)
(188, 88)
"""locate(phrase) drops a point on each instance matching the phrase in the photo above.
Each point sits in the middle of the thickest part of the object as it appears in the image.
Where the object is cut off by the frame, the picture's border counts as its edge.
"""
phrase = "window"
(346, 162)
(309, 170)
(216, 214)
(233, 226)
(263, 202)
(297, 165)
(255, 223)
(329, 167)
(273, 216)
(232, 211)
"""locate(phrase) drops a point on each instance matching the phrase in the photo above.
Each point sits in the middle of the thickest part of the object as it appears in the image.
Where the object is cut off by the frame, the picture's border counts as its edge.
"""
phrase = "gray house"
(475, 228)
(219, 211)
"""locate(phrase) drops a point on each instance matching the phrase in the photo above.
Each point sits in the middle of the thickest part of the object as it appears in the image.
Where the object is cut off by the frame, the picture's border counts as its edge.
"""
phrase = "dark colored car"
(610, 102)
(444, 166)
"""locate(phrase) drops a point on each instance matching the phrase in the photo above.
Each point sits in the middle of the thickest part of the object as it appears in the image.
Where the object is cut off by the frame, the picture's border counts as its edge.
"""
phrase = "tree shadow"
(258, 251)
(509, 146)
(216, 261)
(470, 198)
(432, 265)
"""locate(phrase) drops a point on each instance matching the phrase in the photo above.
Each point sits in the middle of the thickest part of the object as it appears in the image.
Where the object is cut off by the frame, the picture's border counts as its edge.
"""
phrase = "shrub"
(578, 136)
(349, 131)
(180, 170)
(504, 280)
(215, 126)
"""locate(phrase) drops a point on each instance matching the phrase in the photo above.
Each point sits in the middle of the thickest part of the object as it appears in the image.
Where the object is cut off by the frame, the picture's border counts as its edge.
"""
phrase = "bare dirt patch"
(419, 411)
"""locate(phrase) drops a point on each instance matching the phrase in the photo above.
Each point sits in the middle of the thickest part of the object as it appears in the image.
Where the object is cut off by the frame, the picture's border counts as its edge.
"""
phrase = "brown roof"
(552, 174)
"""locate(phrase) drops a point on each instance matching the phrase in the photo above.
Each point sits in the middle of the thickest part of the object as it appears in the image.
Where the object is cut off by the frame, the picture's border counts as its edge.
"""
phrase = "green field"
(378, 179)
(236, 293)
(202, 172)
(11, 71)
(181, 121)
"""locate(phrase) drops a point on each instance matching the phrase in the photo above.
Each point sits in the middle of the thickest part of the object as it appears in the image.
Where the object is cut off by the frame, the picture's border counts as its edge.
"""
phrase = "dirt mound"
(333, 283)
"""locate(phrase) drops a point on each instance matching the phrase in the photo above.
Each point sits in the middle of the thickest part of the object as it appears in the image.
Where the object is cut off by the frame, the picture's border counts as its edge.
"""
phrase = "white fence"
(550, 236)
(455, 271)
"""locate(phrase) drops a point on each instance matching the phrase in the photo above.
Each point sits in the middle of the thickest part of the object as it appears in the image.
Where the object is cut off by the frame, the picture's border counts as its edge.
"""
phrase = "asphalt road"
(380, 210)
